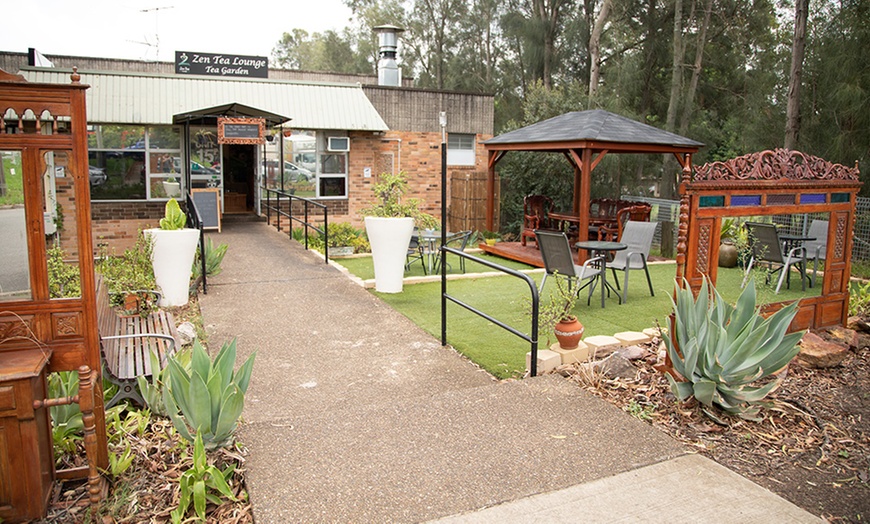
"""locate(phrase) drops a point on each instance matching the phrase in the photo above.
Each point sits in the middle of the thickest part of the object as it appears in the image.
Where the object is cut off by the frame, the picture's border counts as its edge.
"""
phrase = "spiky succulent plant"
(721, 350)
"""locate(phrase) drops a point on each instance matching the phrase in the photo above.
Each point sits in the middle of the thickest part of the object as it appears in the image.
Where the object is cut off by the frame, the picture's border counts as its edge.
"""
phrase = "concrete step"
(418, 458)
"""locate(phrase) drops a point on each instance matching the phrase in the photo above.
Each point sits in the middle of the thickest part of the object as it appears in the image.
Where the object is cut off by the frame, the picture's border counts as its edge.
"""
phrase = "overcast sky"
(123, 29)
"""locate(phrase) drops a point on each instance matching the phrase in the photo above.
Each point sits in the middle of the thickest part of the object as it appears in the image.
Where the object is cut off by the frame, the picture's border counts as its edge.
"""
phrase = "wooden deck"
(528, 254)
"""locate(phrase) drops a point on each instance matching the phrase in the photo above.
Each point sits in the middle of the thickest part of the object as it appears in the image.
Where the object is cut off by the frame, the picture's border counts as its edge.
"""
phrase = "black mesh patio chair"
(559, 262)
(415, 253)
(766, 250)
(456, 241)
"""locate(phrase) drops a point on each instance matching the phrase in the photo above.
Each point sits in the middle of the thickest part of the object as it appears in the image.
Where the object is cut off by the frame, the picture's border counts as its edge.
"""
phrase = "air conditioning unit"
(339, 143)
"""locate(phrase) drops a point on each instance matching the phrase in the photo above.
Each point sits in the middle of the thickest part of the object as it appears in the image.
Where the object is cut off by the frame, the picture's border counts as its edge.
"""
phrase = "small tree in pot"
(390, 222)
(557, 316)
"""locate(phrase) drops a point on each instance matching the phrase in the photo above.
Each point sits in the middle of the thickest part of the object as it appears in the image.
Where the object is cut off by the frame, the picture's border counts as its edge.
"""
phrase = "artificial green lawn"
(506, 298)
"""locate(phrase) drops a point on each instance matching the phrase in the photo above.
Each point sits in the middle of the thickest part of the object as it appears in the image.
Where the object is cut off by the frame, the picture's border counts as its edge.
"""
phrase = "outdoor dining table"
(600, 248)
(595, 222)
(430, 237)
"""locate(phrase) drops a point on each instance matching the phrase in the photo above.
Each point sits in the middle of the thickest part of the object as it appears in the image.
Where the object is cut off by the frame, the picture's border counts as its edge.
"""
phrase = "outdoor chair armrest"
(589, 265)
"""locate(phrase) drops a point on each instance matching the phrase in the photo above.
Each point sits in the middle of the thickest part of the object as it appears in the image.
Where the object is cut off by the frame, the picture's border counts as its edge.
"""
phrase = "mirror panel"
(14, 256)
(61, 239)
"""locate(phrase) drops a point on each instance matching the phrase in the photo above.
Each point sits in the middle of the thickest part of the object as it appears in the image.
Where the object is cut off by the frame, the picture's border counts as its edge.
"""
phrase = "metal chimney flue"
(389, 73)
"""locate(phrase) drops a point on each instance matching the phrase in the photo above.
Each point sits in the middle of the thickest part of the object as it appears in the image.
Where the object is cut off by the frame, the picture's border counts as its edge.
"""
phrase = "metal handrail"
(194, 220)
(532, 339)
(289, 214)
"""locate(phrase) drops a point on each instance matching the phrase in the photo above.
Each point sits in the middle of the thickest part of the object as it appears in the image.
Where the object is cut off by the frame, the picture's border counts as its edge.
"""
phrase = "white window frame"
(323, 140)
(461, 149)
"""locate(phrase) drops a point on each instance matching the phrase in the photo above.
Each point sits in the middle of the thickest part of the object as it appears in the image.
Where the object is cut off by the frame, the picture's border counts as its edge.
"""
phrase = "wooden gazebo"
(584, 138)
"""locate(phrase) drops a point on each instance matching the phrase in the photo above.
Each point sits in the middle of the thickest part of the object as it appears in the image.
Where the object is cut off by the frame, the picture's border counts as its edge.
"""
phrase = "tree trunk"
(696, 70)
(793, 110)
(595, 49)
(669, 177)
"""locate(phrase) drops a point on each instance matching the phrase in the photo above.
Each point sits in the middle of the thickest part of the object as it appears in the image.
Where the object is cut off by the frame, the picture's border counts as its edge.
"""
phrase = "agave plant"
(722, 349)
(210, 397)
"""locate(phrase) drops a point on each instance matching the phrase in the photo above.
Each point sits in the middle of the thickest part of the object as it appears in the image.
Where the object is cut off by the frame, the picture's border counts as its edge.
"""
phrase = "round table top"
(597, 245)
(796, 238)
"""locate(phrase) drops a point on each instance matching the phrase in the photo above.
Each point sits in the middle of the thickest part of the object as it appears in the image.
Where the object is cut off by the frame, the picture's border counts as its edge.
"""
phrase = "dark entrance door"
(239, 167)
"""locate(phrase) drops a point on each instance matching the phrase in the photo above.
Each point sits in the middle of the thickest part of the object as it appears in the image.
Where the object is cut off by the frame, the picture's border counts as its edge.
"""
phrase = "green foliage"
(63, 279)
(859, 299)
(722, 349)
(214, 256)
(119, 464)
(202, 483)
(209, 395)
(390, 202)
(66, 421)
(152, 391)
(174, 218)
(131, 272)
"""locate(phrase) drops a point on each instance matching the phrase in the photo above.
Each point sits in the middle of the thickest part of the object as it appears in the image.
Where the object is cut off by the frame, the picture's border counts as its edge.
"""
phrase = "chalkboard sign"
(240, 130)
(207, 202)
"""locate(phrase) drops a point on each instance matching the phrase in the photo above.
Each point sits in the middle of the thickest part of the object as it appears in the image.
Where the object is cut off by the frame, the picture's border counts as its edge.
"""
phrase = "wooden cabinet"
(26, 454)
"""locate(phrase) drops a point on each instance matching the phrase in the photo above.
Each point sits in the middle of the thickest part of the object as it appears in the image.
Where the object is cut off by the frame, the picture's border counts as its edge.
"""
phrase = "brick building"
(153, 133)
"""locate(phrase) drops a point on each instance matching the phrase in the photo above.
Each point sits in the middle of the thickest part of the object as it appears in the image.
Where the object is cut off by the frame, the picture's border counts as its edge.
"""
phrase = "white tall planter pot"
(389, 238)
(172, 257)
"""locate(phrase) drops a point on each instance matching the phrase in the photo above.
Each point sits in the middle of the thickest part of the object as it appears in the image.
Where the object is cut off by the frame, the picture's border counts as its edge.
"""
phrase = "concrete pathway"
(354, 414)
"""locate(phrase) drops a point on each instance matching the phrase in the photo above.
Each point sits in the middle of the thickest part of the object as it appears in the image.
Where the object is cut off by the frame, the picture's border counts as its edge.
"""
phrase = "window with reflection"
(133, 162)
(14, 264)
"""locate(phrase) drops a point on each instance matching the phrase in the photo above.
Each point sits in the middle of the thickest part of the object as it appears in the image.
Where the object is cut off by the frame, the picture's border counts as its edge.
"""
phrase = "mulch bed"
(812, 447)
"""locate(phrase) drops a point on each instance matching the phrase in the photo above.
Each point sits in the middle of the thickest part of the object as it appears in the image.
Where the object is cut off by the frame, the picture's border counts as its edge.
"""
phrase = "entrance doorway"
(239, 172)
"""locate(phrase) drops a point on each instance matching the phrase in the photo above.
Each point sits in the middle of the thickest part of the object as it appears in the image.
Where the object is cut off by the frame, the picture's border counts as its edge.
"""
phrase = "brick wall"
(417, 154)
(117, 223)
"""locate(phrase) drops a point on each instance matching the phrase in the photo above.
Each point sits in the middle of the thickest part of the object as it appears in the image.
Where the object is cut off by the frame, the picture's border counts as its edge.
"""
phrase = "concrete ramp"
(354, 414)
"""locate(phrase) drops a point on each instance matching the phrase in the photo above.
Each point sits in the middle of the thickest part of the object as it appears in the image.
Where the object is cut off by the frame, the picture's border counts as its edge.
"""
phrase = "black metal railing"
(194, 220)
(304, 220)
(531, 339)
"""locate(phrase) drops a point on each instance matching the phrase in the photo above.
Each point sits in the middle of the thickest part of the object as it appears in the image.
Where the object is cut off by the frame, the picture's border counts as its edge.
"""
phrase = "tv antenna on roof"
(156, 44)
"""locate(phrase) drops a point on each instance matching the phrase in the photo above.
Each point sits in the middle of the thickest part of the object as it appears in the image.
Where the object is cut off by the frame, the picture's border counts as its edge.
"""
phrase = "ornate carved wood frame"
(68, 327)
(776, 182)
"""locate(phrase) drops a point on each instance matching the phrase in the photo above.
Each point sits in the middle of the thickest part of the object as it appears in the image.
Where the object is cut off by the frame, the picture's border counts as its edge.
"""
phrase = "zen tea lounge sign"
(190, 63)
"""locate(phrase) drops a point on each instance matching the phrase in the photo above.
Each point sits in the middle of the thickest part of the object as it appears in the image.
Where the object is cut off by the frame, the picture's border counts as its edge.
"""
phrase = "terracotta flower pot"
(569, 333)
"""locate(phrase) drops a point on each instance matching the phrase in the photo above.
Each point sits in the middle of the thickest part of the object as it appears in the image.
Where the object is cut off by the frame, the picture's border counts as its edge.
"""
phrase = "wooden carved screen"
(777, 182)
(43, 145)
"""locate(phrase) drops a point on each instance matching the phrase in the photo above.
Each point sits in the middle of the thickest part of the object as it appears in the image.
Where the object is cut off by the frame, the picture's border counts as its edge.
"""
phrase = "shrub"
(720, 349)
(210, 395)
(214, 256)
(63, 279)
(130, 272)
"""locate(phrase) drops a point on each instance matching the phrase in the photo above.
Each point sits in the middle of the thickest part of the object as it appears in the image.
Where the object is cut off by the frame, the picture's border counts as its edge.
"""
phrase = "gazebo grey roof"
(597, 126)
(584, 137)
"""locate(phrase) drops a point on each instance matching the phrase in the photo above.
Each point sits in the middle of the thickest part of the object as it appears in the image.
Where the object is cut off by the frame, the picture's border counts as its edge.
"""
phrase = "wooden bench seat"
(127, 343)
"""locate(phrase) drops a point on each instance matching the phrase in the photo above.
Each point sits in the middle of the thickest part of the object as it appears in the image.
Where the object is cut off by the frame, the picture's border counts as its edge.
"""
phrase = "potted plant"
(727, 246)
(490, 237)
(174, 248)
(390, 222)
(172, 187)
(557, 316)
(130, 279)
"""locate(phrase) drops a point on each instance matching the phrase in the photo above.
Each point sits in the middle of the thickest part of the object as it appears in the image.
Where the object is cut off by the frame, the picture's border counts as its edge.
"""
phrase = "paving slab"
(687, 489)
